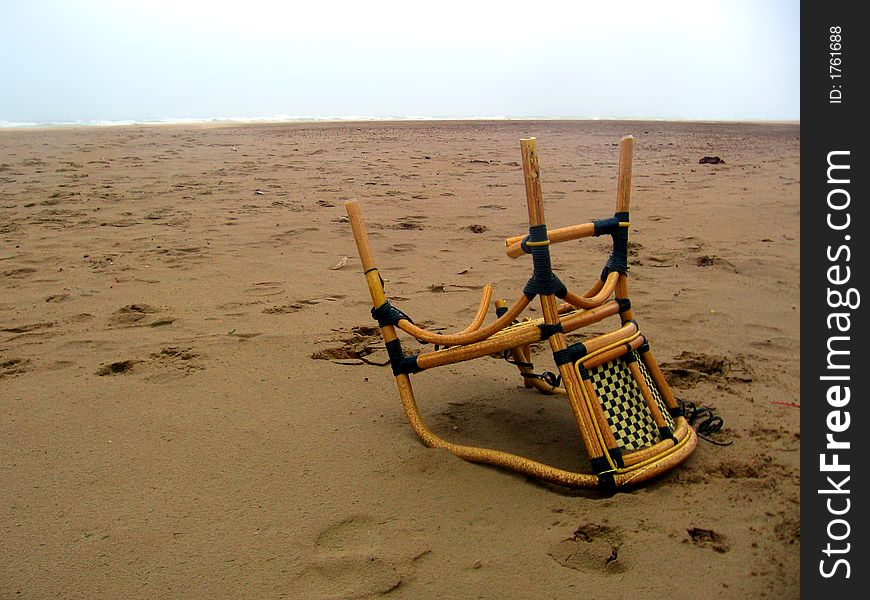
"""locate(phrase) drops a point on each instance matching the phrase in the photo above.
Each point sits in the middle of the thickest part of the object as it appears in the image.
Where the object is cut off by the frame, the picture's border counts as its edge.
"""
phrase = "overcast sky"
(157, 59)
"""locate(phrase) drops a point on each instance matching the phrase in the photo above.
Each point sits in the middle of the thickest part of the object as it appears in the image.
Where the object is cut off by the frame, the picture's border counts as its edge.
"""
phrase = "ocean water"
(282, 119)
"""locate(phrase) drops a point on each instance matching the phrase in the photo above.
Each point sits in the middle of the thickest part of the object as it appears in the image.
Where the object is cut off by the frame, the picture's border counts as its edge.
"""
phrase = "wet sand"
(166, 430)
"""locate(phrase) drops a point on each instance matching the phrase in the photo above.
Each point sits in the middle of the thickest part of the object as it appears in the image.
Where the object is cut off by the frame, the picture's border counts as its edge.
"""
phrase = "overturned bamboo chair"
(631, 425)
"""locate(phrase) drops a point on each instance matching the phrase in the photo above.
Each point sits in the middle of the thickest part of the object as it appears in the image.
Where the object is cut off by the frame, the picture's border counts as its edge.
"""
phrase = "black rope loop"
(708, 422)
(551, 378)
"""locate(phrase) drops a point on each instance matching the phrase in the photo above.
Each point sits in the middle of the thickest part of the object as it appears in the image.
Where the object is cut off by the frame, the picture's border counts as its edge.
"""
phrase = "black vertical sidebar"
(835, 431)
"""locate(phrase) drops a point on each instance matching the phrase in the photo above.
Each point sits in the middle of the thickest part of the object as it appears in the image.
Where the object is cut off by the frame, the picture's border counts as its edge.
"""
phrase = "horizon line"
(18, 125)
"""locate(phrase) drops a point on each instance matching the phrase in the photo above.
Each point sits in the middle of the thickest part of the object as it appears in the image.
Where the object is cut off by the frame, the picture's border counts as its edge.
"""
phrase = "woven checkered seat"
(626, 410)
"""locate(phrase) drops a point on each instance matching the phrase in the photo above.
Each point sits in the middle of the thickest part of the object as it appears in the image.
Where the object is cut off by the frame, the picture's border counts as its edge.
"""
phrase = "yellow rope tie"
(624, 224)
(536, 244)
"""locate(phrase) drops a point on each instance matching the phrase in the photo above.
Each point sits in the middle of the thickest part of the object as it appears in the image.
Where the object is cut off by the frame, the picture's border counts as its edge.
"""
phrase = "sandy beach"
(190, 406)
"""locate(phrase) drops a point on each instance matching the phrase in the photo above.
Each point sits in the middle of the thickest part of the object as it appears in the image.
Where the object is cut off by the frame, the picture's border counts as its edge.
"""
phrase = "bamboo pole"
(595, 289)
(572, 320)
(373, 278)
(613, 353)
(622, 292)
(623, 185)
(623, 204)
(532, 180)
(482, 309)
(602, 294)
(469, 337)
(563, 234)
(549, 307)
(607, 339)
(519, 335)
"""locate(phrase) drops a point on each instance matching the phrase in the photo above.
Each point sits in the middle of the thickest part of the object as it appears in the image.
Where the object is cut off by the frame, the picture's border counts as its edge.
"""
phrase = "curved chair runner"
(630, 423)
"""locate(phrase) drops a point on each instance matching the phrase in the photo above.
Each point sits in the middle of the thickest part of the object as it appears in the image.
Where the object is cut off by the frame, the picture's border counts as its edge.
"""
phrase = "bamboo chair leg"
(623, 204)
(623, 185)
(535, 202)
(373, 278)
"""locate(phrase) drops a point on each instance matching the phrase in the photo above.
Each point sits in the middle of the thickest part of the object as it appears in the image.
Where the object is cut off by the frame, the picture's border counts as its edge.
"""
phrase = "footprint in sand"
(126, 222)
(363, 345)
(708, 260)
(349, 562)
(28, 327)
(169, 217)
(266, 288)
(591, 549)
(138, 315)
(19, 273)
(9, 366)
(409, 222)
(117, 367)
(788, 531)
(29, 330)
(776, 438)
(707, 538)
(169, 364)
(759, 466)
(183, 257)
(297, 305)
(172, 363)
(405, 225)
(688, 369)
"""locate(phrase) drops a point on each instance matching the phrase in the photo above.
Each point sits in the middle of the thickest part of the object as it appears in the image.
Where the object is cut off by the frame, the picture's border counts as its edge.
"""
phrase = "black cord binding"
(618, 260)
(387, 314)
(543, 280)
